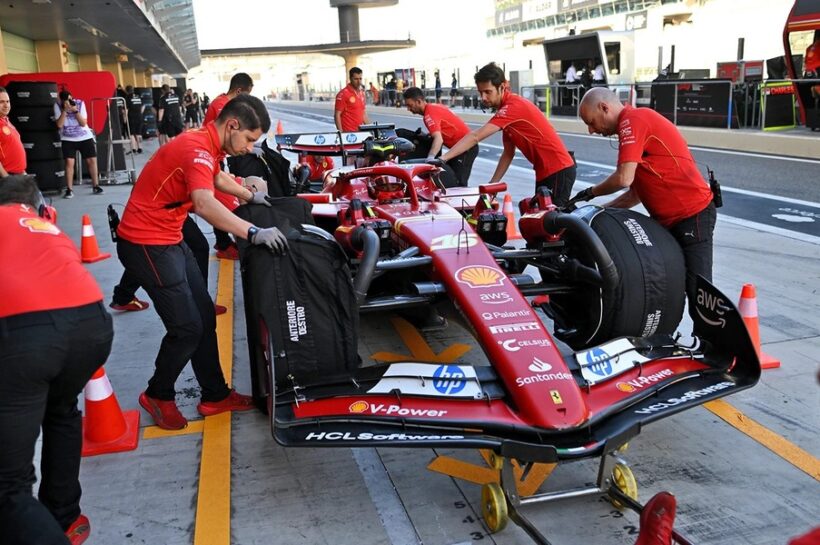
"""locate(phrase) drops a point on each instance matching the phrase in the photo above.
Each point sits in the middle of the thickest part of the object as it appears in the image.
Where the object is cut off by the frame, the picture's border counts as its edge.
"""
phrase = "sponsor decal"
(6, 131)
(637, 232)
(480, 276)
(640, 382)
(319, 139)
(710, 304)
(653, 320)
(201, 161)
(449, 242)
(352, 99)
(350, 138)
(506, 315)
(538, 366)
(40, 226)
(608, 360)
(514, 345)
(685, 398)
(449, 379)
(555, 395)
(514, 328)
(297, 323)
(367, 436)
(363, 407)
(495, 298)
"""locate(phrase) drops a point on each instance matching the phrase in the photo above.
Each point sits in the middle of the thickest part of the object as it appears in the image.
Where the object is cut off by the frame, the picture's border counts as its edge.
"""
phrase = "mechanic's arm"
(627, 199)
(365, 119)
(217, 215)
(337, 118)
(503, 162)
(622, 178)
(3, 171)
(227, 184)
(438, 141)
(470, 140)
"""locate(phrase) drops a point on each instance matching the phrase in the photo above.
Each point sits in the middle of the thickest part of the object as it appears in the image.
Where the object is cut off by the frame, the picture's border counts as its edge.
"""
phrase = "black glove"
(271, 237)
(583, 195)
(435, 161)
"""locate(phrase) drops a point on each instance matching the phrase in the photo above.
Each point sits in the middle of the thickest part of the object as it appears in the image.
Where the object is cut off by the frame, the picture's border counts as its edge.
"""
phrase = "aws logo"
(714, 306)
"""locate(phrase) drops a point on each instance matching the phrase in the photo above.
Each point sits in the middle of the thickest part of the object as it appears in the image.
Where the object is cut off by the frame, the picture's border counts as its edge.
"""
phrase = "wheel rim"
(624, 480)
(493, 507)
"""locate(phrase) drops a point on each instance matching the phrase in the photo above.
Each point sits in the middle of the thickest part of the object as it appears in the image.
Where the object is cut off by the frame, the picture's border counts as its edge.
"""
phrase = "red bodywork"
(804, 16)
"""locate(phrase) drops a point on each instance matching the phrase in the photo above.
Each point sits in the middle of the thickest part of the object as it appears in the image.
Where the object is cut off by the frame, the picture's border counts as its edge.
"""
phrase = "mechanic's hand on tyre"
(255, 183)
(260, 197)
(581, 196)
(271, 237)
(436, 162)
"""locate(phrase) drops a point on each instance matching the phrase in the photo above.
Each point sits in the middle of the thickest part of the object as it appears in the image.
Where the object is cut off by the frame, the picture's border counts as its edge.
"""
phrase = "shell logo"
(358, 407)
(39, 225)
(6, 131)
(625, 387)
(480, 276)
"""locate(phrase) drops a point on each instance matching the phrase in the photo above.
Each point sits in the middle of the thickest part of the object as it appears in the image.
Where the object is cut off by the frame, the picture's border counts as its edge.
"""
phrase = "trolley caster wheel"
(623, 448)
(624, 480)
(496, 461)
(494, 507)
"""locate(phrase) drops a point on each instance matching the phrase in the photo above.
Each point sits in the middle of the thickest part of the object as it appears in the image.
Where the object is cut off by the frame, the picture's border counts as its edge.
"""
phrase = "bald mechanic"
(349, 112)
(183, 175)
(656, 168)
(446, 128)
(524, 127)
(54, 333)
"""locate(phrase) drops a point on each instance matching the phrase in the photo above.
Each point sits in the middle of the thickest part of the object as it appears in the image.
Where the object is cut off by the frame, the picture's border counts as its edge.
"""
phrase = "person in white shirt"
(598, 73)
(572, 74)
(72, 120)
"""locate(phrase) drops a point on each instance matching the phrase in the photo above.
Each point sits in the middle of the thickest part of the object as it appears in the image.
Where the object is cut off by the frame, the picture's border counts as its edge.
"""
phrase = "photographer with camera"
(72, 120)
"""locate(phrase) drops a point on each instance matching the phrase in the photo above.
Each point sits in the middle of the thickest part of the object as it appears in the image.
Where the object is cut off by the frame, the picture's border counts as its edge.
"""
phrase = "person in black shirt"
(169, 115)
(135, 109)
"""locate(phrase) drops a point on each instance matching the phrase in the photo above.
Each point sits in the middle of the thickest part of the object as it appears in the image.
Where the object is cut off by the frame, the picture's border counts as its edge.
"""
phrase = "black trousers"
(462, 165)
(223, 239)
(695, 235)
(126, 290)
(46, 358)
(175, 284)
(560, 185)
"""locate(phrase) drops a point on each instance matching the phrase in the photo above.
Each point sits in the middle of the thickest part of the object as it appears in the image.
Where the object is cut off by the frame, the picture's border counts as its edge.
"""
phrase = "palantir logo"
(449, 379)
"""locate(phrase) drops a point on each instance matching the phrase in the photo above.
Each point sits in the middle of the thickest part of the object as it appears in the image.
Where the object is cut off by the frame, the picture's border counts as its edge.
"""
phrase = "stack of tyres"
(149, 115)
(32, 112)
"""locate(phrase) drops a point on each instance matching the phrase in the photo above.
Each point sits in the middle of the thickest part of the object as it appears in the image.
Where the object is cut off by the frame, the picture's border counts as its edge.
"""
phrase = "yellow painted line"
(155, 432)
(213, 504)
(419, 349)
(465, 471)
(784, 448)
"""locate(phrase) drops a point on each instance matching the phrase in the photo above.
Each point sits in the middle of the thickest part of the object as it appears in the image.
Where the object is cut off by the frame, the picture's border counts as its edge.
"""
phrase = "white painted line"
(811, 239)
(758, 155)
(396, 522)
(768, 196)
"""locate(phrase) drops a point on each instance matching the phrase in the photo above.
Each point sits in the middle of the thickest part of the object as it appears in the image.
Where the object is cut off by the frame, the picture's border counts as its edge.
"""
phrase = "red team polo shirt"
(350, 102)
(42, 268)
(215, 107)
(186, 163)
(667, 180)
(12, 153)
(526, 127)
(438, 118)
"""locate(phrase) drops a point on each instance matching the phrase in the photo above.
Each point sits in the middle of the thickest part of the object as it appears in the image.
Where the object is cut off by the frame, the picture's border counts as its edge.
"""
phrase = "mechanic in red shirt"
(524, 127)
(349, 110)
(181, 176)
(54, 333)
(12, 153)
(657, 169)
(446, 128)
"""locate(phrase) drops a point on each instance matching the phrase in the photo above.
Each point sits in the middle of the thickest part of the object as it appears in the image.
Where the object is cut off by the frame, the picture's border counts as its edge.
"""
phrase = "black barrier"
(697, 103)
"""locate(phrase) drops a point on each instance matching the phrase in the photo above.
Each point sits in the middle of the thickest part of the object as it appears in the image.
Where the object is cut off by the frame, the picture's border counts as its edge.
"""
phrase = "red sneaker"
(234, 402)
(166, 414)
(657, 519)
(134, 306)
(219, 309)
(231, 252)
(79, 530)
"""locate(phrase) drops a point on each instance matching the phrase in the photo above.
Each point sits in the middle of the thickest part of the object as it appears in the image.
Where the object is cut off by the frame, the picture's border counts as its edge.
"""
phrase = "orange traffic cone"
(748, 311)
(89, 249)
(512, 227)
(279, 129)
(105, 427)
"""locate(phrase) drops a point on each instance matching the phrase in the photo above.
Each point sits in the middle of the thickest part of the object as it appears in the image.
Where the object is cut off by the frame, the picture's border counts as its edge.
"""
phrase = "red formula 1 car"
(610, 281)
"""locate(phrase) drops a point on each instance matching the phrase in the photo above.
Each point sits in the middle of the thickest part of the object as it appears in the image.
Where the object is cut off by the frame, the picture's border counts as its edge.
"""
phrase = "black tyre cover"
(42, 146)
(650, 295)
(50, 174)
(34, 118)
(32, 93)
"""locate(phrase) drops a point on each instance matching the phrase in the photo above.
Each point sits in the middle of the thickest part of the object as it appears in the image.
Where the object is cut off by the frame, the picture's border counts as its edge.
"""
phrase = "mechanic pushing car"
(446, 129)
(180, 176)
(657, 169)
(524, 127)
(349, 110)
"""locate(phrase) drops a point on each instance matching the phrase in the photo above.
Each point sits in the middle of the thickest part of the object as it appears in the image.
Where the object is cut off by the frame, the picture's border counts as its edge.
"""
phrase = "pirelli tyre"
(650, 293)
(50, 175)
(24, 94)
(33, 118)
(42, 146)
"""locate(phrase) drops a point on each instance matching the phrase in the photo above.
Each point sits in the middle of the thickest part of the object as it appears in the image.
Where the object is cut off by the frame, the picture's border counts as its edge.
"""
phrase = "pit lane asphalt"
(730, 488)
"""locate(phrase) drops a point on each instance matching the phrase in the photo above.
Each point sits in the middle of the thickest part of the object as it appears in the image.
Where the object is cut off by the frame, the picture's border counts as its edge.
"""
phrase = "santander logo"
(538, 366)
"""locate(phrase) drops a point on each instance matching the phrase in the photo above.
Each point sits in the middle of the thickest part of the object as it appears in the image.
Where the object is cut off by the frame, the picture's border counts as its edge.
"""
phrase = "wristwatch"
(252, 230)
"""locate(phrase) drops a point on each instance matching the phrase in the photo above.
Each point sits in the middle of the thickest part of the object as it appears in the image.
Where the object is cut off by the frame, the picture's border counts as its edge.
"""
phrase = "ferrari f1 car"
(393, 238)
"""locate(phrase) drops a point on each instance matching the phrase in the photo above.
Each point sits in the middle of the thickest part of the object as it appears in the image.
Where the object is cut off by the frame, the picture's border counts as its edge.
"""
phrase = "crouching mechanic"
(52, 339)
(524, 127)
(656, 168)
(446, 128)
(180, 176)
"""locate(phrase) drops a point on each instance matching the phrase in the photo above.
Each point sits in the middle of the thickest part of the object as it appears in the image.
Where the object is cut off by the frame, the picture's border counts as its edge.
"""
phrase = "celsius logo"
(319, 139)
(449, 379)
(350, 138)
(538, 366)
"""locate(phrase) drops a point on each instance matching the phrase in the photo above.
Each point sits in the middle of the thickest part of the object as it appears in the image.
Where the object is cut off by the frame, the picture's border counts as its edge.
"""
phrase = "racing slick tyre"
(24, 94)
(50, 175)
(42, 146)
(38, 118)
(650, 293)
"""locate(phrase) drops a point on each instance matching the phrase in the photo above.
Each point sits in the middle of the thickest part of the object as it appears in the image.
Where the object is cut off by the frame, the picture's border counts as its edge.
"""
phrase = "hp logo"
(319, 139)
(449, 379)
